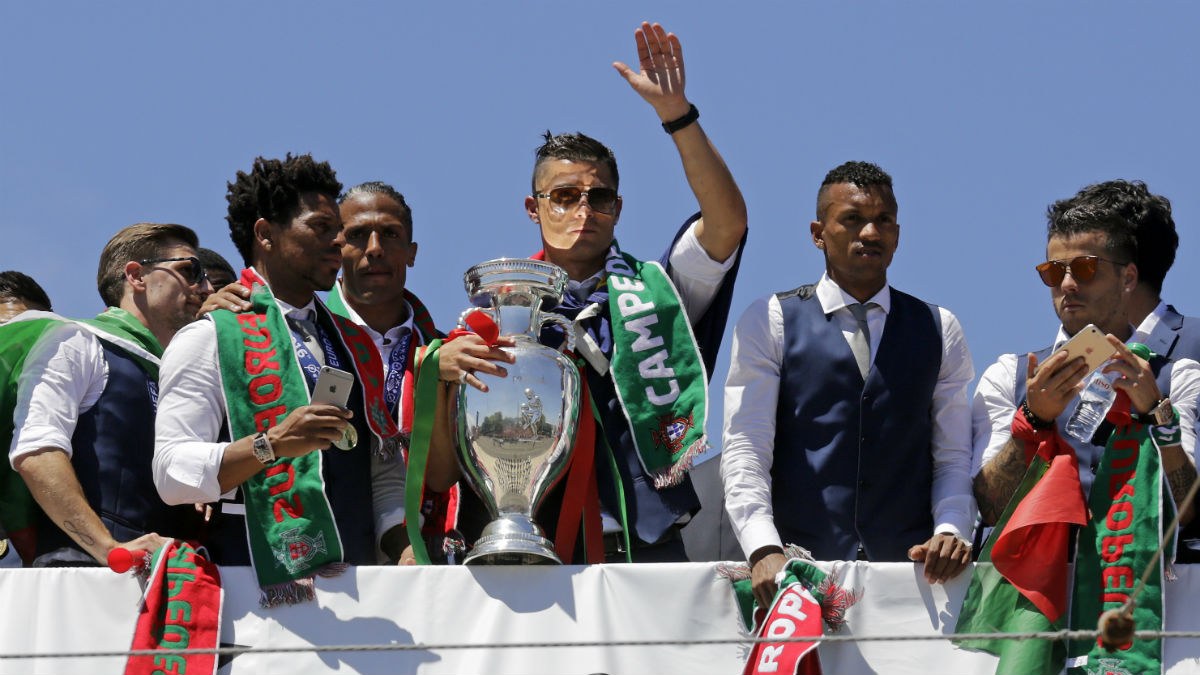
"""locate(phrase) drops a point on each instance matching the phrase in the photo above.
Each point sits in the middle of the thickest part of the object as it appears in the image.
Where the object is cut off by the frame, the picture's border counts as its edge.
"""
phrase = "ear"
(263, 233)
(531, 209)
(133, 277)
(1129, 277)
(817, 230)
(412, 254)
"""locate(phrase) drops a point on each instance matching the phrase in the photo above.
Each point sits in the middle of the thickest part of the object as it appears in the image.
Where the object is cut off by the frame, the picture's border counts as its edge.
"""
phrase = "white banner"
(79, 610)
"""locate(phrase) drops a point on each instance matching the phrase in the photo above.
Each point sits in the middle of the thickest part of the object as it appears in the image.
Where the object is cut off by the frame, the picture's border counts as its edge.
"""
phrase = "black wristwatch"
(1035, 421)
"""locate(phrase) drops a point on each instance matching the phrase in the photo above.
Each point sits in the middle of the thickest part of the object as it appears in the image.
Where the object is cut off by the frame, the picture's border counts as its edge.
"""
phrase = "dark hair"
(1088, 218)
(376, 187)
(861, 174)
(17, 286)
(1148, 214)
(575, 147)
(215, 261)
(272, 191)
(136, 242)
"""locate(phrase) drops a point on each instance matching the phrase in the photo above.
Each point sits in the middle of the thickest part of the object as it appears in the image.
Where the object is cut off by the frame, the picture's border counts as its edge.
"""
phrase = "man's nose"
(374, 244)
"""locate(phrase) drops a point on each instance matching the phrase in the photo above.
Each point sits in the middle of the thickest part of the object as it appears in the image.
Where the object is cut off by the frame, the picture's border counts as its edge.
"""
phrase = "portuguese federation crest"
(671, 431)
(296, 549)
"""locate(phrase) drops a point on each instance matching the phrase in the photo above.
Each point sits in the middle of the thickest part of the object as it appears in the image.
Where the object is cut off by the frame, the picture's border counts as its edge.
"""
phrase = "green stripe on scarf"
(656, 366)
(131, 335)
(426, 393)
(289, 521)
(1115, 548)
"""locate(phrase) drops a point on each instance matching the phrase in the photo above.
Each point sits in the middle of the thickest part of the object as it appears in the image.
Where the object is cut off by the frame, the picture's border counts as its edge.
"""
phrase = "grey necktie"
(302, 323)
(860, 342)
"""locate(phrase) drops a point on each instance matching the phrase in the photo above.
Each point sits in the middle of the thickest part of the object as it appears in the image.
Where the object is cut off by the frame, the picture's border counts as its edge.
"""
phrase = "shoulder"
(804, 292)
(196, 337)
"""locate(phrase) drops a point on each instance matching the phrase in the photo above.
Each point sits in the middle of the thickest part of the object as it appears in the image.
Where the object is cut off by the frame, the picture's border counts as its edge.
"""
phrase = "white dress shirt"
(996, 402)
(64, 375)
(695, 274)
(752, 393)
(191, 411)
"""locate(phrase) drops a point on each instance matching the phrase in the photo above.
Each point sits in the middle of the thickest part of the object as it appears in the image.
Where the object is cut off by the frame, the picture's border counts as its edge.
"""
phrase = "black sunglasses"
(195, 273)
(600, 199)
(1082, 268)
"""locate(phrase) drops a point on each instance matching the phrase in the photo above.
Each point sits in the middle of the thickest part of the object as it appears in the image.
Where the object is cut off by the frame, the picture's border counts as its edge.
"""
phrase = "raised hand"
(662, 78)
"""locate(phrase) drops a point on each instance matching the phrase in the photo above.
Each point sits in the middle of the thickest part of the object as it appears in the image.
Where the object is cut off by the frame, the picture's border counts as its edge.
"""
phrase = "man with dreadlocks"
(842, 391)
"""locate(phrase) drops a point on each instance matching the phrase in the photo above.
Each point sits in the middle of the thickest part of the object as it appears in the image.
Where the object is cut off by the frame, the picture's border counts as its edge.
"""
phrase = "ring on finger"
(463, 378)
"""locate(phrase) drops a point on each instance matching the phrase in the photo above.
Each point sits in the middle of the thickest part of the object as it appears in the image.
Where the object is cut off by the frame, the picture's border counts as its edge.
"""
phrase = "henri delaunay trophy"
(514, 441)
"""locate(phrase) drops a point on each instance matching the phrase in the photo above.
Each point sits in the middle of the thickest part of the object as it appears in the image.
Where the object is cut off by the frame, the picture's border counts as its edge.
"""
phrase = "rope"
(1053, 636)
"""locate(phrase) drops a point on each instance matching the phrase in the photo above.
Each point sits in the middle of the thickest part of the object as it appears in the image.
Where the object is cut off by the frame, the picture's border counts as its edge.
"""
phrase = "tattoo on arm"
(80, 536)
(1181, 480)
(998, 480)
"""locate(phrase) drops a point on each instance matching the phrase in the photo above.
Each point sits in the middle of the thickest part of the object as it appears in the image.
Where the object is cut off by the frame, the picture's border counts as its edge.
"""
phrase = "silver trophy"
(514, 441)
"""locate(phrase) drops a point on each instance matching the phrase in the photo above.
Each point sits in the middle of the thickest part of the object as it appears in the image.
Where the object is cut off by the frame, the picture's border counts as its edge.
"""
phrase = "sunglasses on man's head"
(1082, 268)
(194, 272)
(600, 199)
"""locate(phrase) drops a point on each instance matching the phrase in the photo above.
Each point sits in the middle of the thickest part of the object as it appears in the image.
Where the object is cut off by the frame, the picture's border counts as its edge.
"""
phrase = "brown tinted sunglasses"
(1082, 268)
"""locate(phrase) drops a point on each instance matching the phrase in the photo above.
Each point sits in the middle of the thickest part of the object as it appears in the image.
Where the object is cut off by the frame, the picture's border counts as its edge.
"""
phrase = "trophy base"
(512, 539)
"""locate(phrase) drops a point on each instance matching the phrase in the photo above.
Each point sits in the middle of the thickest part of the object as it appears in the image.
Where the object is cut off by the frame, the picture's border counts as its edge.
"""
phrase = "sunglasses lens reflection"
(1082, 268)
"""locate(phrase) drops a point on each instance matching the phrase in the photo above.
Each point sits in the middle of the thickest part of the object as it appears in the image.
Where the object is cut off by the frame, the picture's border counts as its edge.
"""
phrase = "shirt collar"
(392, 334)
(832, 297)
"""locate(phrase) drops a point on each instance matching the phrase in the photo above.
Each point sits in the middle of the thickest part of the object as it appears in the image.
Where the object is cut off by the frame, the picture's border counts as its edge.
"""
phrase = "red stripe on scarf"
(581, 496)
(795, 613)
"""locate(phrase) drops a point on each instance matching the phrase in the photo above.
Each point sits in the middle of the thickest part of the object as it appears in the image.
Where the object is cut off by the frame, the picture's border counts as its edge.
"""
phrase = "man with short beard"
(86, 403)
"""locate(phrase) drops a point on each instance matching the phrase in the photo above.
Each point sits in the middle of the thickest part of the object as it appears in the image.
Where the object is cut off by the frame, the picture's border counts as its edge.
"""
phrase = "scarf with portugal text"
(1025, 587)
(289, 521)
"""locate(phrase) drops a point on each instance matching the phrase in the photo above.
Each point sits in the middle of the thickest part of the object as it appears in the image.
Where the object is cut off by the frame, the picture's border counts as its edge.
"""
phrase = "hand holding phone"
(333, 388)
(1091, 344)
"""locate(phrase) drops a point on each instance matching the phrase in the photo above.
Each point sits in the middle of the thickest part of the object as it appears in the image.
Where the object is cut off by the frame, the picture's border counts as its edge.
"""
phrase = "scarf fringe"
(299, 590)
(288, 593)
(672, 475)
(740, 570)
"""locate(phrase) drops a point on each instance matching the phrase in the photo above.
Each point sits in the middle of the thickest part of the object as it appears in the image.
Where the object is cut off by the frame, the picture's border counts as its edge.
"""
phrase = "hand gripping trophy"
(514, 441)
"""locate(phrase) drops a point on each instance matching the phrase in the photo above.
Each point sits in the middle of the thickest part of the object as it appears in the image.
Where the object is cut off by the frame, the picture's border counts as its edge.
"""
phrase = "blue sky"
(117, 113)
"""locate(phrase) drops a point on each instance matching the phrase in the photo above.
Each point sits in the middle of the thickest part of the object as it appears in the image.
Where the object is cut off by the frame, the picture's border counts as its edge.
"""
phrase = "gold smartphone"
(1091, 344)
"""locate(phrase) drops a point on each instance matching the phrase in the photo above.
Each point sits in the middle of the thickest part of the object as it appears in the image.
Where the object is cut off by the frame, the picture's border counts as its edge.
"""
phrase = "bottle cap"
(1141, 350)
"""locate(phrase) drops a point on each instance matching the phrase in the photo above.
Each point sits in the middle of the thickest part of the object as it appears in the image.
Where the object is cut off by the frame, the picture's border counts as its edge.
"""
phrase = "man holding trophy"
(647, 332)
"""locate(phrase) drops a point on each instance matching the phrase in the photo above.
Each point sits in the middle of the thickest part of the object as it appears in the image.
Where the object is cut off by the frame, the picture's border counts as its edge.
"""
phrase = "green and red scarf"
(180, 610)
(18, 510)
(289, 521)
(439, 510)
(1024, 589)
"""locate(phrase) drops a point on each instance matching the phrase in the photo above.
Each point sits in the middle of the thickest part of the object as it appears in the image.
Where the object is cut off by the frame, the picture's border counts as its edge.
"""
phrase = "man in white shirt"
(86, 401)
(293, 243)
(1092, 276)
(847, 427)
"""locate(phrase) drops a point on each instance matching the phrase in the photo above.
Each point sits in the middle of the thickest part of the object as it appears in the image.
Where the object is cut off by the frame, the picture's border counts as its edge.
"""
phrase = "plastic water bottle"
(1097, 397)
(1094, 401)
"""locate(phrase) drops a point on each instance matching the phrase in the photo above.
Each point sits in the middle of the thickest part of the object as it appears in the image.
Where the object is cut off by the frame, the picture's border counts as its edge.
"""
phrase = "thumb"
(917, 553)
(625, 71)
(1031, 366)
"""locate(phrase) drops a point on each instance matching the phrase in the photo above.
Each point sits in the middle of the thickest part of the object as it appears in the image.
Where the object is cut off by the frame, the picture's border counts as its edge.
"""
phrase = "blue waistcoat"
(852, 463)
(111, 452)
(347, 475)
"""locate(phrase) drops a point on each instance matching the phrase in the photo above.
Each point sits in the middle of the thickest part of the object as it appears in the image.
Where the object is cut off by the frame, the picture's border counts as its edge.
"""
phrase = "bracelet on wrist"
(1036, 422)
(679, 123)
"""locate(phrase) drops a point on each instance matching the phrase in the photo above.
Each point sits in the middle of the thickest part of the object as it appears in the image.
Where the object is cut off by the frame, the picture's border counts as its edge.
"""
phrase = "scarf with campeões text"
(180, 610)
(656, 366)
(439, 510)
(289, 521)
(1118, 544)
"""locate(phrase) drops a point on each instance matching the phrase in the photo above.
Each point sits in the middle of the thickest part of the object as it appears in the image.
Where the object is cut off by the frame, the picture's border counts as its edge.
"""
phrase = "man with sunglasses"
(847, 425)
(650, 393)
(1092, 275)
(87, 396)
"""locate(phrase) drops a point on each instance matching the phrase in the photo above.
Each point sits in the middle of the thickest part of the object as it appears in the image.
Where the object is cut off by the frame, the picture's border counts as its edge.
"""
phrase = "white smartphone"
(333, 387)
(1091, 344)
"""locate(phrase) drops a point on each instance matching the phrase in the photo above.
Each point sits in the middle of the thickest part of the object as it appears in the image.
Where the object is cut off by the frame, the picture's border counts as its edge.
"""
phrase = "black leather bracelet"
(676, 124)
(1035, 421)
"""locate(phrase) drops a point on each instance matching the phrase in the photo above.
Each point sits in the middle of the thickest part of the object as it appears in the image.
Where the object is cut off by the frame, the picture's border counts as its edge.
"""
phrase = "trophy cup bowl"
(514, 441)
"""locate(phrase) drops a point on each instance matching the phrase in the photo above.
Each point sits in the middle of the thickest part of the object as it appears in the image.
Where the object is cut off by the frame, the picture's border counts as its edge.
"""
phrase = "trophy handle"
(564, 323)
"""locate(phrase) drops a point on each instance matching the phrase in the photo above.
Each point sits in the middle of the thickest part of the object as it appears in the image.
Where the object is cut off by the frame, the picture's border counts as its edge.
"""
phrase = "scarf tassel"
(299, 590)
(672, 475)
